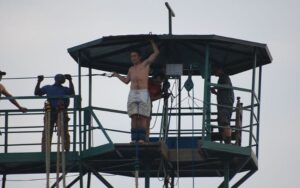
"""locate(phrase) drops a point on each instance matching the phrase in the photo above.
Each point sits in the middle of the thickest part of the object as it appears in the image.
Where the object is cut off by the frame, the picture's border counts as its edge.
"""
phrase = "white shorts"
(139, 102)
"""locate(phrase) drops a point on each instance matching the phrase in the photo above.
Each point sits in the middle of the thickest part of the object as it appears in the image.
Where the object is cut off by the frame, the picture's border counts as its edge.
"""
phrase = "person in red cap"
(7, 94)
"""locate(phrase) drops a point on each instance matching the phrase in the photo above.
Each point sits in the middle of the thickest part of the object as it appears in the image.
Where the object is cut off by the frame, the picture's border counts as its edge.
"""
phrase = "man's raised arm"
(155, 53)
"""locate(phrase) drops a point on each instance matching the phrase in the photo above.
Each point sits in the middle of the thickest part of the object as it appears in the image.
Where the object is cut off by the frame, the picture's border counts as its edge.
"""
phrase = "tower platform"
(206, 160)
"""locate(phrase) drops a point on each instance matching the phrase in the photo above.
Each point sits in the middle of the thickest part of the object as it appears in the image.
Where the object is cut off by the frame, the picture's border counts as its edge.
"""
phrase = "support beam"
(226, 174)
(147, 174)
(3, 180)
(75, 180)
(103, 180)
(243, 179)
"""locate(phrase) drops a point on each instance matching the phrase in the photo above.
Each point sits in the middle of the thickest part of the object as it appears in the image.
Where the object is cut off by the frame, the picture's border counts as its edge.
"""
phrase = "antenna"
(171, 14)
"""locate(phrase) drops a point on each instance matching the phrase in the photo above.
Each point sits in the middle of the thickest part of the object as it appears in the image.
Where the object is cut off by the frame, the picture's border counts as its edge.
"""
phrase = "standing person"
(56, 90)
(139, 104)
(225, 99)
(155, 91)
(7, 94)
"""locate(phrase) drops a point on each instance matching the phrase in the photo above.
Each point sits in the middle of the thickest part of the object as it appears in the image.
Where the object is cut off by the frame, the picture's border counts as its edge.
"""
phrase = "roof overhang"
(112, 53)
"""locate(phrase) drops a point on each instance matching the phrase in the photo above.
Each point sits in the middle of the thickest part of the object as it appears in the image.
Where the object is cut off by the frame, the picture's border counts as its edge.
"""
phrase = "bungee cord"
(48, 141)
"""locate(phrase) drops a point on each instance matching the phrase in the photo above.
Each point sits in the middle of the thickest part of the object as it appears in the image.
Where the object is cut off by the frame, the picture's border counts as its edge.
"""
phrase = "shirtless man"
(139, 103)
(7, 94)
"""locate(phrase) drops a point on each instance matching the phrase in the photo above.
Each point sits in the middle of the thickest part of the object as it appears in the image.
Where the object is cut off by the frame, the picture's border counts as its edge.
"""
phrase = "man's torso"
(225, 96)
(56, 91)
(139, 76)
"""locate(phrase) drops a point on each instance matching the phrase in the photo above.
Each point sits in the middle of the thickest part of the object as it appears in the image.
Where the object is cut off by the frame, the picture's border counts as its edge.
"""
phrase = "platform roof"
(112, 53)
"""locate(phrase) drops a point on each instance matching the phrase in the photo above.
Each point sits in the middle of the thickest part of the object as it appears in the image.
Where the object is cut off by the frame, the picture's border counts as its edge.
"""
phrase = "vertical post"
(171, 14)
(3, 180)
(258, 109)
(6, 133)
(226, 173)
(79, 120)
(179, 106)
(252, 96)
(75, 108)
(89, 180)
(90, 107)
(147, 174)
(206, 128)
(79, 92)
(5, 145)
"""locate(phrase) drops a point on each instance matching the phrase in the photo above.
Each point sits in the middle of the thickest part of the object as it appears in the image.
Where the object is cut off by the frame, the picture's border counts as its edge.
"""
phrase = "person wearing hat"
(56, 90)
(7, 94)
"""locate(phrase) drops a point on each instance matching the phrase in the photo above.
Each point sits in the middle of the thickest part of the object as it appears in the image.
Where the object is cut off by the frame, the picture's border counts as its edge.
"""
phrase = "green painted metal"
(97, 150)
(243, 179)
(247, 159)
(179, 107)
(226, 149)
(101, 127)
(32, 157)
(226, 173)
(206, 107)
(258, 109)
(252, 94)
(90, 105)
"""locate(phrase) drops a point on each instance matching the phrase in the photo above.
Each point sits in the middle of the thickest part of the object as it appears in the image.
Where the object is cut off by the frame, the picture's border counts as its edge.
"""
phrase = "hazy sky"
(35, 36)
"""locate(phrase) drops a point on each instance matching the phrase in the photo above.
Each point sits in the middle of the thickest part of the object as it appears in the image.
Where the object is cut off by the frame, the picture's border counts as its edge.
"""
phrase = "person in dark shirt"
(56, 90)
(225, 99)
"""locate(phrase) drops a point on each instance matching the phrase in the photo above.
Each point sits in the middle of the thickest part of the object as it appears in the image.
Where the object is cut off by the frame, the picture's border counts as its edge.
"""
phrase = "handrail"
(39, 111)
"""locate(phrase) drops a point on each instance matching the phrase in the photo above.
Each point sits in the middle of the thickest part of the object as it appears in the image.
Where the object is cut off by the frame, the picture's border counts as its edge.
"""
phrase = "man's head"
(159, 77)
(135, 56)
(59, 79)
(2, 74)
(217, 70)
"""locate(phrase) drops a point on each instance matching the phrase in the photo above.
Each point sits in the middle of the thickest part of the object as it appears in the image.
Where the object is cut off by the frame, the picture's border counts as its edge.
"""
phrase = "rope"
(152, 127)
(193, 139)
(177, 145)
(58, 152)
(136, 173)
(62, 128)
(34, 77)
(48, 143)
(60, 136)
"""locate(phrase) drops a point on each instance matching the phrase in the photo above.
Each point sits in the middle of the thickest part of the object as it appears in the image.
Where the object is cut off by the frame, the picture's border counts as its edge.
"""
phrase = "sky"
(35, 36)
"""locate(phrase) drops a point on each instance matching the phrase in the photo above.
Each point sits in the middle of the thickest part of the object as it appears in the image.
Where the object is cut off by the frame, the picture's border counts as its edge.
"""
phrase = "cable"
(152, 127)
(34, 77)
(193, 157)
(37, 179)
